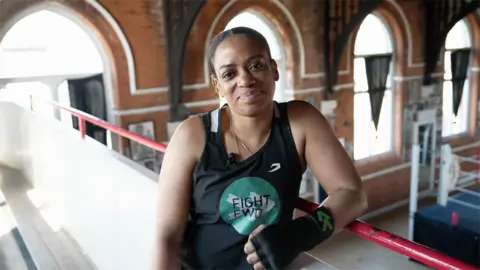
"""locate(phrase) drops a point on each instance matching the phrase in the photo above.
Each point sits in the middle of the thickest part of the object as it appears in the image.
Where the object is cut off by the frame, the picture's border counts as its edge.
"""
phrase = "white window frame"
(389, 93)
(449, 128)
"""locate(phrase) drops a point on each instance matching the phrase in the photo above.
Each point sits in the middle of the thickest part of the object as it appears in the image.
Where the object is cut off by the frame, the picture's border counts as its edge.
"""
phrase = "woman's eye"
(227, 75)
(255, 66)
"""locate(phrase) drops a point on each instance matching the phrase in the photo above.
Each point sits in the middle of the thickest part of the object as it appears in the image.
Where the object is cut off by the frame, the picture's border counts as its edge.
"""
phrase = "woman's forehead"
(237, 49)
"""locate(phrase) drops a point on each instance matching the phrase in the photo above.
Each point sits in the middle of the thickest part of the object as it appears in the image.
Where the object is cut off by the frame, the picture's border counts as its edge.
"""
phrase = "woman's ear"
(215, 85)
(274, 65)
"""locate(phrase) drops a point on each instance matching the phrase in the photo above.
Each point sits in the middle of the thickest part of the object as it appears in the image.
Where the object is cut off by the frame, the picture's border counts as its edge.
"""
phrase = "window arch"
(369, 141)
(46, 47)
(258, 22)
(50, 44)
(458, 38)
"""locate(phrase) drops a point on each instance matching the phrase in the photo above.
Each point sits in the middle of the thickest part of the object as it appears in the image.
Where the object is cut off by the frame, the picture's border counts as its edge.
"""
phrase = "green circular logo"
(248, 202)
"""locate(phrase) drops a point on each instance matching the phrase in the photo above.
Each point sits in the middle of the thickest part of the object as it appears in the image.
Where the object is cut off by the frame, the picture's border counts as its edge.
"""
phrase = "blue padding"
(433, 228)
(468, 217)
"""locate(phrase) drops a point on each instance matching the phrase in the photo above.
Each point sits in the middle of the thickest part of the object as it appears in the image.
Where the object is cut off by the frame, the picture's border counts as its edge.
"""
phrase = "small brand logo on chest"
(275, 167)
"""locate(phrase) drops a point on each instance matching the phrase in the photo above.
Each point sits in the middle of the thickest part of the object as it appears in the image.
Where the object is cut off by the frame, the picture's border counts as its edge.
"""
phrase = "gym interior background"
(144, 64)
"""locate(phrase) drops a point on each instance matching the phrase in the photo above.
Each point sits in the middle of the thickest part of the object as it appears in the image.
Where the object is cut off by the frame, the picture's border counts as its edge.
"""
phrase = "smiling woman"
(257, 21)
(258, 82)
(247, 159)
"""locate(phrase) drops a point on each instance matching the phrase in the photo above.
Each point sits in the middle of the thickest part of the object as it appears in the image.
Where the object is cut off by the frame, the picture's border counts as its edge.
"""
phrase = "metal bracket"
(340, 19)
(179, 16)
(439, 18)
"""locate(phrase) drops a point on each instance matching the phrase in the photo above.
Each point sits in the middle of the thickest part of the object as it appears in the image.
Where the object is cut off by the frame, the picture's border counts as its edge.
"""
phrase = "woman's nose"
(246, 79)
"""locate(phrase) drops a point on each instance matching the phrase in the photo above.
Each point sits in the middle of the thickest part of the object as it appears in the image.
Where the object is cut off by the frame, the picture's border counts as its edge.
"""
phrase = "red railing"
(396, 243)
(82, 117)
(391, 241)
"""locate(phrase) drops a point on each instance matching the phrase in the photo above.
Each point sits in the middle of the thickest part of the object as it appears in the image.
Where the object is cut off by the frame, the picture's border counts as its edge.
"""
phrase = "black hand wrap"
(278, 245)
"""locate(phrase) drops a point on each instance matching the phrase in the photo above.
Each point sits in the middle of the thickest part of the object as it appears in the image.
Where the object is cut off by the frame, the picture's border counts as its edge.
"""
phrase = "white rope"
(469, 159)
(453, 171)
(451, 174)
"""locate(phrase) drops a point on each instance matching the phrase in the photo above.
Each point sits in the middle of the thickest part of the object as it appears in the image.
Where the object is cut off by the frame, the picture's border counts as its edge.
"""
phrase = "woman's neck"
(252, 126)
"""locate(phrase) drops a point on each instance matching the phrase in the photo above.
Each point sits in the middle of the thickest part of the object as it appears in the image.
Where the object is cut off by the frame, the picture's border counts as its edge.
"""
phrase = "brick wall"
(144, 96)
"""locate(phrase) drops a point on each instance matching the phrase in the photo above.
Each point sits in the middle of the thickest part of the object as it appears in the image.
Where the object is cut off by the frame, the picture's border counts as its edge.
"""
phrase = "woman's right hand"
(252, 256)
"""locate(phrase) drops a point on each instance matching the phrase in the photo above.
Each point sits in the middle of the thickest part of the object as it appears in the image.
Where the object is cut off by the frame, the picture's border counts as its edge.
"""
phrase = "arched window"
(45, 43)
(258, 22)
(40, 45)
(373, 38)
(46, 47)
(457, 39)
(46, 50)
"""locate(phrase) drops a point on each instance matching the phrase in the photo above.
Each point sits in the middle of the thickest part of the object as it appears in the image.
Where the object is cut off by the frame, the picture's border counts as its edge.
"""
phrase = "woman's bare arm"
(318, 147)
(173, 196)
(329, 163)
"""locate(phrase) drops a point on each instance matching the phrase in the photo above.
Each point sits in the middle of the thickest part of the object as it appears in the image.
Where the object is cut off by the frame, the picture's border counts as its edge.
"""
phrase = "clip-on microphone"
(230, 158)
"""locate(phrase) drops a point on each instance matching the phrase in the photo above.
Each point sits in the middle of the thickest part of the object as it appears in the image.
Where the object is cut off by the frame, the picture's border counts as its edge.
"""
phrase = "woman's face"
(245, 74)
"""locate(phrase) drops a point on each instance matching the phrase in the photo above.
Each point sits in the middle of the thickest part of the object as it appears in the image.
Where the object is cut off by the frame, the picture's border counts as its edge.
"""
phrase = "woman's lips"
(251, 95)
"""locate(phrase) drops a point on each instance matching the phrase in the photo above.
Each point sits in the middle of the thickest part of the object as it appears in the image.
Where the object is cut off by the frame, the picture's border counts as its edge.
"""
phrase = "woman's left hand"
(252, 256)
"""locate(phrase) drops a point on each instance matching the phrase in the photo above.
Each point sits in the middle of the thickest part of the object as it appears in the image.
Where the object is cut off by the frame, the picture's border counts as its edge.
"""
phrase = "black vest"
(229, 200)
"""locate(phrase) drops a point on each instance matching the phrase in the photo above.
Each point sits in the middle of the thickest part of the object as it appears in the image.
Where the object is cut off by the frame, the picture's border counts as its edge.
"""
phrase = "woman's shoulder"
(191, 134)
(300, 111)
(306, 121)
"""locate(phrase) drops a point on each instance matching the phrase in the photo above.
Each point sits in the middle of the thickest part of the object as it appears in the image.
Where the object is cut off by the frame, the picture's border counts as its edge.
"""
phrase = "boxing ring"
(420, 253)
(452, 224)
(452, 178)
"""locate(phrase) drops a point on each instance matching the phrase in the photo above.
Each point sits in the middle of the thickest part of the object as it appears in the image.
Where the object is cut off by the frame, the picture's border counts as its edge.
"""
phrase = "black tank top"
(229, 200)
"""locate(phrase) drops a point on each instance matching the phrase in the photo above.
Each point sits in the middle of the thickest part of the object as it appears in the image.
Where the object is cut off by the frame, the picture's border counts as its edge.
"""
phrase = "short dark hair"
(218, 39)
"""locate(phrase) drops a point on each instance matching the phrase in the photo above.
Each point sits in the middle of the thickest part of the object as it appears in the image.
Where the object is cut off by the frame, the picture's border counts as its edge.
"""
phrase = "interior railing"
(388, 240)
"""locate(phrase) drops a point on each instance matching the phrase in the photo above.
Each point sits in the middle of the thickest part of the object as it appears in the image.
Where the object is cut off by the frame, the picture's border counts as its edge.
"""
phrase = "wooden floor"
(11, 257)
(30, 242)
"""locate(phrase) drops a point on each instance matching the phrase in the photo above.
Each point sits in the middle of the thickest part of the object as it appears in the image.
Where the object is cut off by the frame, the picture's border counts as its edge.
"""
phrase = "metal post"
(81, 126)
(414, 179)
(444, 180)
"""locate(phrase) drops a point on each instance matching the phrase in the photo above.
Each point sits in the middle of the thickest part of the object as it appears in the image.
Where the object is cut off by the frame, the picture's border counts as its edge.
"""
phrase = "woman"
(236, 171)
